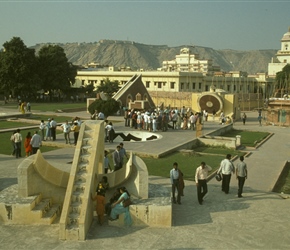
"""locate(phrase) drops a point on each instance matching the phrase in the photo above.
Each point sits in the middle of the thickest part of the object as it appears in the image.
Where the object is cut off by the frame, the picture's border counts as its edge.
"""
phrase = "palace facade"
(178, 79)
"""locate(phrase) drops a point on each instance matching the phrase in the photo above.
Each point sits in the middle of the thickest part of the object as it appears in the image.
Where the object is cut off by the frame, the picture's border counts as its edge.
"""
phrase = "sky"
(228, 24)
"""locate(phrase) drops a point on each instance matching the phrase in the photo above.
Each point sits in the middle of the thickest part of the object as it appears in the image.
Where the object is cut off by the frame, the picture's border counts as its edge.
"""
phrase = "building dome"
(286, 36)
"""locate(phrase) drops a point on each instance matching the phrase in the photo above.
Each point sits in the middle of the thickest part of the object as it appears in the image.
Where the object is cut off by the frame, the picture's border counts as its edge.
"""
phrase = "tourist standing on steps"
(106, 162)
(117, 159)
(226, 168)
(241, 175)
(123, 153)
(201, 174)
(175, 176)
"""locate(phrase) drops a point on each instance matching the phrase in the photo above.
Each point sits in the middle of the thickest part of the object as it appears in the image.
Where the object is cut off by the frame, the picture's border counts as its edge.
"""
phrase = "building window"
(172, 85)
(206, 87)
(83, 82)
(164, 83)
(234, 87)
(199, 85)
(187, 85)
(147, 84)
(193, 85)
(229, 87)
(241, 87)
(159, 85)
(182, 85)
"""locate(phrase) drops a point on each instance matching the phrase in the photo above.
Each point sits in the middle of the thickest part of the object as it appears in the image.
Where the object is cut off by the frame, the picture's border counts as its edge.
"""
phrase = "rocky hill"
(150, 57)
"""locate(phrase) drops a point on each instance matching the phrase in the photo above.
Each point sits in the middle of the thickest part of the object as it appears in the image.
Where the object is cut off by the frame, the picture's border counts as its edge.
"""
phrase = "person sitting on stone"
(118, 208)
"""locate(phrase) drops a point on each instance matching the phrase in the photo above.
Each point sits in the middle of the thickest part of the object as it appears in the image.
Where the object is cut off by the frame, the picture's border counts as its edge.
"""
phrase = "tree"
(108, 107)
(108, 87)
(56, 73)
(17, 69)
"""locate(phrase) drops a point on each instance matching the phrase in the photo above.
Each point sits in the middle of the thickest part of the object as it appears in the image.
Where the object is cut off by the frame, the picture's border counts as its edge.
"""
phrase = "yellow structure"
(218, 102)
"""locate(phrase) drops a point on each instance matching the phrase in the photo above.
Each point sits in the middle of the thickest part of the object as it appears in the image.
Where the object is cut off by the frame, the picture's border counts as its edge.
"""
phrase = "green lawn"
(248, 138)
(12, 124)
(51, 106)
(187, 164)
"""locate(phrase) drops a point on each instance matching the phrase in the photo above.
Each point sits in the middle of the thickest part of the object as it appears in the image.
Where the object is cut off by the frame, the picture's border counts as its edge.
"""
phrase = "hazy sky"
(238, 25)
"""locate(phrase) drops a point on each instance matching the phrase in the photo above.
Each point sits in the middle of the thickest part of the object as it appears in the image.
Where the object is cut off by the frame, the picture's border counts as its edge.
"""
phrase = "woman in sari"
(118, 208)
(27, 146)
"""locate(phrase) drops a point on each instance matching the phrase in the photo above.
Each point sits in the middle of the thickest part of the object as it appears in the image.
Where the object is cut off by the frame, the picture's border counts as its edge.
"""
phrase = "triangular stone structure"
(127, 95)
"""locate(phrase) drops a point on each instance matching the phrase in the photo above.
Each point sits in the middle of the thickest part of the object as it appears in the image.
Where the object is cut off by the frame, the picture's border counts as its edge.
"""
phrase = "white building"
(187, 62)
(282, 57)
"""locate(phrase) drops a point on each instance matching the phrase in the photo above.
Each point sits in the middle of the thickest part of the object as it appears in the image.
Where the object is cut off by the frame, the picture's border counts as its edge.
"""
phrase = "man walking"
(241, 175)
(175, 175)
(35, 142)
(226, 168)
(201, 181)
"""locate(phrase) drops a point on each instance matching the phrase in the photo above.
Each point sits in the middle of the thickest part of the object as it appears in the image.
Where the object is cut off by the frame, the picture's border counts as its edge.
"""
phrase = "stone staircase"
(77, 213)
(30, 210)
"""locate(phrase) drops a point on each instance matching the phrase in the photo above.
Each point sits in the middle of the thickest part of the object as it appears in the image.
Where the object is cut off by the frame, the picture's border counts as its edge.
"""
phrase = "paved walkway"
(260, 220)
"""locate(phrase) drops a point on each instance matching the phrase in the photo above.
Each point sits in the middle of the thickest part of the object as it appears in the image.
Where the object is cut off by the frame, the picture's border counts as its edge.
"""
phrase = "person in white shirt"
(201, 181)
(175, 176)
(42, 126)
(101, 116)
(35, 142)
(53, 125)
(17, 140)
(66, 127)
(226, 168)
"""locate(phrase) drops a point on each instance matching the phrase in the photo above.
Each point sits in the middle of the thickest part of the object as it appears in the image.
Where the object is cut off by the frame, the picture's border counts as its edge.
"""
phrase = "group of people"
(31, 143)
(115, 206)
(226, 169)
(162, 119)
(48, 129)
(24, 106)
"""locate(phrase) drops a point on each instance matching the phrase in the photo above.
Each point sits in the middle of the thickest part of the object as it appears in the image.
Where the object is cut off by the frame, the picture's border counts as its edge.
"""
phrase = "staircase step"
(41, 208)
(52, 214)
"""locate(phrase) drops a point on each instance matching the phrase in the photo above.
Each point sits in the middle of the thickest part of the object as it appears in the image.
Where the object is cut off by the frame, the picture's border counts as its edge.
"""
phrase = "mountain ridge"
(150, 57)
